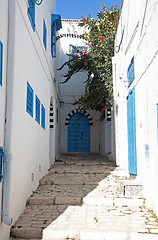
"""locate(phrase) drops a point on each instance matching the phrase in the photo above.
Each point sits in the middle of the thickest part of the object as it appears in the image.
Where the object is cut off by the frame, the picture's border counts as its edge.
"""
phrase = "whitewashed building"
(88, 134)
(28, 95)
(136, 94)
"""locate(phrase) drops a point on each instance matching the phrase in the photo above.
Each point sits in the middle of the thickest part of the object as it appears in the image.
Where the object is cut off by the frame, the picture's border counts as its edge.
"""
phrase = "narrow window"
(38, 104)
(1, 62)
(31, 13)
(43, 117)
(44, 34)
(131, 72)
(53, 39)
(29, 100)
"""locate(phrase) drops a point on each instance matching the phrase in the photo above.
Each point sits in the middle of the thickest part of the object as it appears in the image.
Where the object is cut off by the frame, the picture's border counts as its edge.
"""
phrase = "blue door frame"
(131, 128)
(78, 134)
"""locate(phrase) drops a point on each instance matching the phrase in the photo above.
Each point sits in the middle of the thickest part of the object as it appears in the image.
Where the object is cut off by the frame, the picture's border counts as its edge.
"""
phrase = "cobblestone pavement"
(80, 199)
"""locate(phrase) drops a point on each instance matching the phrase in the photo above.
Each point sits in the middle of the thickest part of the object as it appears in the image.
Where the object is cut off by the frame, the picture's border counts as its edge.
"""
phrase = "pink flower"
(103, 109)
(102, 38)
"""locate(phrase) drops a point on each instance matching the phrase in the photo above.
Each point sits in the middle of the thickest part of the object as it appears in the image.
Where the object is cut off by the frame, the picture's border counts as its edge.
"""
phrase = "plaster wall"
(27, 143)
(74, 88)
(137, 36)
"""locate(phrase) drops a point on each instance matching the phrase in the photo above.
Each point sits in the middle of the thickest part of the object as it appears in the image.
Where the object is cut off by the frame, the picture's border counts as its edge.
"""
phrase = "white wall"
(4, 229)
(141, 41)
(75, 87)
(27, 143)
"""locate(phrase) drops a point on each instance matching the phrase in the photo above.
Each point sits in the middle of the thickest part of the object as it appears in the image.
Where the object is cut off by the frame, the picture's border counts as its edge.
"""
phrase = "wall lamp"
(61, 103)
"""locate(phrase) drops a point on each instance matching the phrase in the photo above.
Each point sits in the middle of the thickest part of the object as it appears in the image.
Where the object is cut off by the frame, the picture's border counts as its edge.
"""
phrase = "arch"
(78, 111)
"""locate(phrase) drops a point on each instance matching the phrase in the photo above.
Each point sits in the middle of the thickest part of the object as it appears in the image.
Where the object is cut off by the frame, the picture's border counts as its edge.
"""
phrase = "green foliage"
(100, 37)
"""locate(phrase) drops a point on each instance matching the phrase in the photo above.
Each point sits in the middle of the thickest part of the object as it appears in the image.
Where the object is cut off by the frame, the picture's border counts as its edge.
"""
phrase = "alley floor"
(81, 199)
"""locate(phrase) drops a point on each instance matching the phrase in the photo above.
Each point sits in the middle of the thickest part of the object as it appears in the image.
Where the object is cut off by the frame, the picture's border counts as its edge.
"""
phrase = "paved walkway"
(80, 200)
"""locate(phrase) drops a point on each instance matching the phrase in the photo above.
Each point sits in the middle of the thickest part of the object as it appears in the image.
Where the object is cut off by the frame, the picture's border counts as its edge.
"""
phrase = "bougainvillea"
(97, 61)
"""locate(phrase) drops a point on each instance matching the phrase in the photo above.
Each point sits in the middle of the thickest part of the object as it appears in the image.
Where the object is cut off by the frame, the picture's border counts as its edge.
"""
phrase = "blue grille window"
(43, 117)
(131, 72)
(76, 50)
(31, 13)
(38, 104)
(29, 100)
(1, 62)
(1, 164)
(44, 34)
(53, 39)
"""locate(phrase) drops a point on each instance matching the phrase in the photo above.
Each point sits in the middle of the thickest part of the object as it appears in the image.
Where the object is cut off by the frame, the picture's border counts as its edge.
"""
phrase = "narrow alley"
(81, 199)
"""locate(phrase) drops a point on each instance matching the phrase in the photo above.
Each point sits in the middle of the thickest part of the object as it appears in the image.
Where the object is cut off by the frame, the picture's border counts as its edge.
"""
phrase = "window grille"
(131, 72)
(1, 62)
(43, 117)
(53, 39)
(38, 104)
(76, 50)
(31, 13)
(44, 34)
(29, 100)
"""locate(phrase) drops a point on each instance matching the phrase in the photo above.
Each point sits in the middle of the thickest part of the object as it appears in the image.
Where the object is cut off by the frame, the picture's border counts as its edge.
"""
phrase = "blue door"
(131, 125)
(78, 134)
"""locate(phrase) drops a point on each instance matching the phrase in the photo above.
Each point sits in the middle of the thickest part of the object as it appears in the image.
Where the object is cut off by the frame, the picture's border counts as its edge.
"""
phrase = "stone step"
(72, 179)
(77, 169)
(55, 200)
(34, 219)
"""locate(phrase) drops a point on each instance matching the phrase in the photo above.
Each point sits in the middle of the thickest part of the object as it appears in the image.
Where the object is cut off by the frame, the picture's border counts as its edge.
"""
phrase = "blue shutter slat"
(29, 100)
(44, 34)
(43, 117)
(131, 72)
(31, 13)
(1, 62)
(53, 39)
(38, 103)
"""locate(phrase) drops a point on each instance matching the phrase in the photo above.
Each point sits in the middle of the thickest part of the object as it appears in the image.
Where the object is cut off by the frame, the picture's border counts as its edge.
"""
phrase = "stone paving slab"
(98, 221)
(80, 200)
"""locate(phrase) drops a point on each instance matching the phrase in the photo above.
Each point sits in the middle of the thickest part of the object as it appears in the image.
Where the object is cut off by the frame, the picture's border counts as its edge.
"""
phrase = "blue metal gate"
(131, 125)
(78, 134)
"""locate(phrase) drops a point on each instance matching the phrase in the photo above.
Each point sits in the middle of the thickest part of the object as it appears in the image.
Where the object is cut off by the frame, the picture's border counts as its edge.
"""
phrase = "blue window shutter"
(29, 100)
(1, 62)
(53, 39)
(131, 72)
(44, 34)
(38, 104)
(43, 117)
(31, 13)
